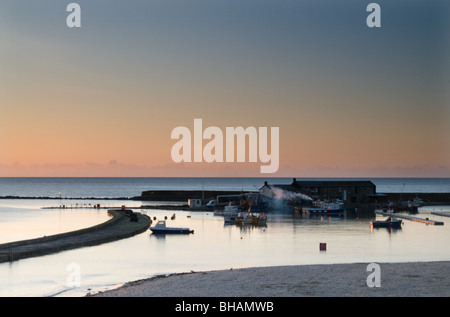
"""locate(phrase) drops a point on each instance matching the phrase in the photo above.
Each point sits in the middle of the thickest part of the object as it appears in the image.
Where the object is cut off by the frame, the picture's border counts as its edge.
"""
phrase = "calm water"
(286, 240)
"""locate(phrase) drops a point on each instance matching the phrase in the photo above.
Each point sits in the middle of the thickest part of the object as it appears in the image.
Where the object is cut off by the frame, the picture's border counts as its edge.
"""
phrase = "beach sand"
(416, 279)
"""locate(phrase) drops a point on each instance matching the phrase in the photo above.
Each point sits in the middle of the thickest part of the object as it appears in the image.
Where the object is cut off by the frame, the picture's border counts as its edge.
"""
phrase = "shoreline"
(61, 198)
(409, 279)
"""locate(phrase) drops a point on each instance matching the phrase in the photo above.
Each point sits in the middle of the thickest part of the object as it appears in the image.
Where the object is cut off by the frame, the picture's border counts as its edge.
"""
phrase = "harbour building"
(349, 191)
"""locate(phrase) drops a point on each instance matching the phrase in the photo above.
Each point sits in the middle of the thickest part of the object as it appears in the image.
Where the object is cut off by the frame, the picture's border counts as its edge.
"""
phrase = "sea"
(287, 239)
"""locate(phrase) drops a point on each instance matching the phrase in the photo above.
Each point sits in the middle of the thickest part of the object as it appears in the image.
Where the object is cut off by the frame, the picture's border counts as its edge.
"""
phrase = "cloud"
(114, 168)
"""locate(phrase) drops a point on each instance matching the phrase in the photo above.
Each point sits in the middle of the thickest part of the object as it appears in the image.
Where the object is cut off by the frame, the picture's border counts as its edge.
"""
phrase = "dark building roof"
(288, 187)
(321, 184)
(344, 183)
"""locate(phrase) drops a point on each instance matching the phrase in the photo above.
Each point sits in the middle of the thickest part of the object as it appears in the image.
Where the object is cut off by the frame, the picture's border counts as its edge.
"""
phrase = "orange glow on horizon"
(102, 100)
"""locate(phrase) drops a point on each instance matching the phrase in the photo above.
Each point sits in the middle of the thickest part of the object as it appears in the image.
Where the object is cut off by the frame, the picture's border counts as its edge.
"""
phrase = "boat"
(233, 217)
(388, 223)
(259, 219)
(230, 210)
(243, 218)
(161, 228)
(408, 206)
(321, 207)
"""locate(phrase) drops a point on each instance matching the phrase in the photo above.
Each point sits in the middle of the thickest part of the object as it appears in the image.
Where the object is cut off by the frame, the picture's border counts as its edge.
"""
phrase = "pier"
(118, 227)
(182, 207)
(439, 213)
(88, 207)
(417, 219)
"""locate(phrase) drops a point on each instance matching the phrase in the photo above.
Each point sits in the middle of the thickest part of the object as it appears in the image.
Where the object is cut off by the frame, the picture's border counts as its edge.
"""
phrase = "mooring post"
(11, 256)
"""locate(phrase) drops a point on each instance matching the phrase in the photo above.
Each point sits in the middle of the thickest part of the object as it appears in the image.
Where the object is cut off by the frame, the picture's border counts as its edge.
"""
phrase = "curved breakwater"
(118, 227)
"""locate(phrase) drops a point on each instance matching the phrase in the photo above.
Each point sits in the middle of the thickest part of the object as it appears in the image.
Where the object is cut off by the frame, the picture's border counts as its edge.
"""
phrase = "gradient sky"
(102, 100)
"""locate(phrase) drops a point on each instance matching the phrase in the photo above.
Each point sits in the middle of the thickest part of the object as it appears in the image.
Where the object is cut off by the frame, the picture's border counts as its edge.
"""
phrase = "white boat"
(321, 207)
(230, 218)
(160, 227)
(231, 210)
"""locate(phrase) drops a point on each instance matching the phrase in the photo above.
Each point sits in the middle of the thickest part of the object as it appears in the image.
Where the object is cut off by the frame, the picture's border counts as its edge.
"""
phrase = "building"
(349, 191)
(194, 202)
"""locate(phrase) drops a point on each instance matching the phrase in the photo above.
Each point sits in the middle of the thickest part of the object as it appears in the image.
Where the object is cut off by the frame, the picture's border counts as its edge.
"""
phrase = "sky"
(102, 99)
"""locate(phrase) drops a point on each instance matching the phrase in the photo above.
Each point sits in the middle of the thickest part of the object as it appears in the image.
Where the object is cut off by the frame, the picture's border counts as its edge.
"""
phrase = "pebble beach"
(413, 279)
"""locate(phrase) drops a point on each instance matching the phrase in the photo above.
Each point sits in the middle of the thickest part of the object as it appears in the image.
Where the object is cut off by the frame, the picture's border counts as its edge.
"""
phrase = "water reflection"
(323, 218)
(390, 230)
(286, 239)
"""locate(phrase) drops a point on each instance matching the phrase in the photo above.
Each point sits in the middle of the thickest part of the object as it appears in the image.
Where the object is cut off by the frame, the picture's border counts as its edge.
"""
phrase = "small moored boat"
(259, 219)
(388, 223)
(243, 218)
(160, 227)
(230, 210)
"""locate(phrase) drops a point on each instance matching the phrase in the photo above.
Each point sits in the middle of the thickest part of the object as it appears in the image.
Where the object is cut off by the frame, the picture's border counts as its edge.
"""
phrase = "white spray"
(288, 195)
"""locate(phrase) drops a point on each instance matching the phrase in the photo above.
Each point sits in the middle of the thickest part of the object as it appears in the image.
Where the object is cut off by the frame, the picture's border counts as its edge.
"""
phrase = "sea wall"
(118, 227)
(182, 195)
(428, 198)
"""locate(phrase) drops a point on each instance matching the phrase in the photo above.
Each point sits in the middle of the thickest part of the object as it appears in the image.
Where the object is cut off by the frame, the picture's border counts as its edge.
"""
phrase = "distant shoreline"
(430, 199)
(64, 198)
